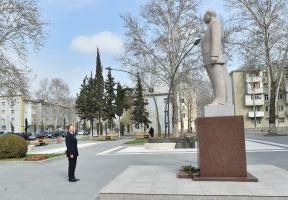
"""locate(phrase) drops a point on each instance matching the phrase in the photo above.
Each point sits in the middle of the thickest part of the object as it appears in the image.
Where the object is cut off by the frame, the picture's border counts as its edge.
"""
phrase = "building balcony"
(281, 114)
(250, 79)
(258, 100)
(255, 91)
(258, 114)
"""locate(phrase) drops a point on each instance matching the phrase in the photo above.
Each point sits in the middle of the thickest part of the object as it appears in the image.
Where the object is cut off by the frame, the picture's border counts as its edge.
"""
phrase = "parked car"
(32, 137)
(63, 133)
(57, 133)
(80, 132)
(49, 134)
(86, 132)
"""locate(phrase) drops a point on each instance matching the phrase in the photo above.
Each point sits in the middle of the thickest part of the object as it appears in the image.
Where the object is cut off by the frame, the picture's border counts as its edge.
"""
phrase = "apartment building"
(39, 114)
(251, 99)
(187, 110)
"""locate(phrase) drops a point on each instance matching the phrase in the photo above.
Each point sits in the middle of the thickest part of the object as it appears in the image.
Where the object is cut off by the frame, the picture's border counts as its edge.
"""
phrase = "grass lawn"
(137, 141)
(30, 155)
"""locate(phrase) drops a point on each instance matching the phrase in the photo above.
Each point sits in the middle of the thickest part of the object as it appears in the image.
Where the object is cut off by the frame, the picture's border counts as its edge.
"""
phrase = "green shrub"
(12, 146)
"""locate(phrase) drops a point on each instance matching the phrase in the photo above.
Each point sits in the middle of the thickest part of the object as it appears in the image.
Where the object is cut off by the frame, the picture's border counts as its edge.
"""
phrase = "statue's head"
(209, 15)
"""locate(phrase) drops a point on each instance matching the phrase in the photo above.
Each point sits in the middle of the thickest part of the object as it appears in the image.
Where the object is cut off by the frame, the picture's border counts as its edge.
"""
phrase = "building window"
(266, 85)
(254, 73)
(280, 96)
(182, 101)
(3, 103)
(12, 119)
(256, 85)
(257, 96)
(183, 115)
(258, 120)
(281, 120)
(3, 112)
(280, 107)
(12, 112)
(3, 121)
(267, 108)
(266, 97)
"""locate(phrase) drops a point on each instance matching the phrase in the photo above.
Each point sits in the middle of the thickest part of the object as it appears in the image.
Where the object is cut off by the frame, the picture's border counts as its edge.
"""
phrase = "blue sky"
(76, 24)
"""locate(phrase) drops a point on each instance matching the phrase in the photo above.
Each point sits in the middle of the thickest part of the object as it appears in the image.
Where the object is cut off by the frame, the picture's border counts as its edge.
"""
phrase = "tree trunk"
(91, 128)
(190, 118)
(174, 112)
(181, 115)
(254, 110)
(272, 112)
(119, 127)
(157, 116)
(276, 98)
(100, 126)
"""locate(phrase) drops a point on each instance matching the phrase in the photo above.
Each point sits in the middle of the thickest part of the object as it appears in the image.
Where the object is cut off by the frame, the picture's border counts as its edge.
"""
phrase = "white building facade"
(39, 114)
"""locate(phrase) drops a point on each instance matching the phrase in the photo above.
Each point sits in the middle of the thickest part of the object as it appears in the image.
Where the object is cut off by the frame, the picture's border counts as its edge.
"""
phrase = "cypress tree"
(139, 113)
(91, 101)
(119, 103)
(99, 93)
(86, 99)
(110, 97)
(81, 100)
(119, 100)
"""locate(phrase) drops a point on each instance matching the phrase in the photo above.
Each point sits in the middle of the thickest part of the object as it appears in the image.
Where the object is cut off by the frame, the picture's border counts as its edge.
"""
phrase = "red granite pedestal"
(221, 149)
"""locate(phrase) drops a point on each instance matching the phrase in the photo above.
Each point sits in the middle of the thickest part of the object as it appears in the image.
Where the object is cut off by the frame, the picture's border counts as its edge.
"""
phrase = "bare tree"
(20, 28)
(263, 35)
(163, 38)
(55, 91)
(43, 90)
(13, 80)
(59, 91)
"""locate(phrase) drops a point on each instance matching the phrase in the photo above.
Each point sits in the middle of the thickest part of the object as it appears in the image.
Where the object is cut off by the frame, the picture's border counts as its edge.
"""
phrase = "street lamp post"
(171, 84)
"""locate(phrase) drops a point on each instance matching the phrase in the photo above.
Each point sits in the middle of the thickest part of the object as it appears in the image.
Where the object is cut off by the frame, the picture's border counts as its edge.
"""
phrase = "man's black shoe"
(73, 180)
(77, 179)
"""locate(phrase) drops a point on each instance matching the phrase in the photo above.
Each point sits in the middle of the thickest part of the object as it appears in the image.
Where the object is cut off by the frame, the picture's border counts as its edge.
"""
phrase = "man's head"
(209, 15)
(70, 128)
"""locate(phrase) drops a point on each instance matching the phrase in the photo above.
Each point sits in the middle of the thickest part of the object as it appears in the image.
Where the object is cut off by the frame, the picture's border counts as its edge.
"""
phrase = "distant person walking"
(151, 132)
(71, 152)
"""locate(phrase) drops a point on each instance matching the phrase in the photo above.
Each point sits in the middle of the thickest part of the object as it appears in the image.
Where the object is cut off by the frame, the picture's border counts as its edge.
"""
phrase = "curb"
(32, 162)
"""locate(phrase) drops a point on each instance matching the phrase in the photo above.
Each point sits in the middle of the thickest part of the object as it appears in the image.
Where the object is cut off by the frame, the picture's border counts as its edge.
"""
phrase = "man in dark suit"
(72, 152)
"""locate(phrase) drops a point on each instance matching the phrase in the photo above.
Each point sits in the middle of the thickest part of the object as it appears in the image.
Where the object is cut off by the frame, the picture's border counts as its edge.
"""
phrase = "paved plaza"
(160, 183)
(102, 162)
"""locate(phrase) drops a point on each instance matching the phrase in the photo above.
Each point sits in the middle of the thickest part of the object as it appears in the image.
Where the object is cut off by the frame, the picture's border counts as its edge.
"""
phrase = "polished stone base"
(221, 149)
(161, 183)
(248, 178)
(219, 111)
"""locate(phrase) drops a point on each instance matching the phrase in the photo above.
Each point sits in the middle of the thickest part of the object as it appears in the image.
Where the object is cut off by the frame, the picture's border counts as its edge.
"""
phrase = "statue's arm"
(216, 40)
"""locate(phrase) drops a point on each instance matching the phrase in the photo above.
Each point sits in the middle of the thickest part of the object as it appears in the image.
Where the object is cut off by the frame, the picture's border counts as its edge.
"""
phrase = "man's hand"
(71, 156)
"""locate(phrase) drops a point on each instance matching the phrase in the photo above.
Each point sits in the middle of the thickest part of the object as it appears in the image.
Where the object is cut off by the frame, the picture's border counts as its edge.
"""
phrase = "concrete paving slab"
(160, 182)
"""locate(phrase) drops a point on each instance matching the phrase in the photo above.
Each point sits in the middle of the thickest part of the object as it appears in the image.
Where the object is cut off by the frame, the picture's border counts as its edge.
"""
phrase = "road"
(99, 164)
